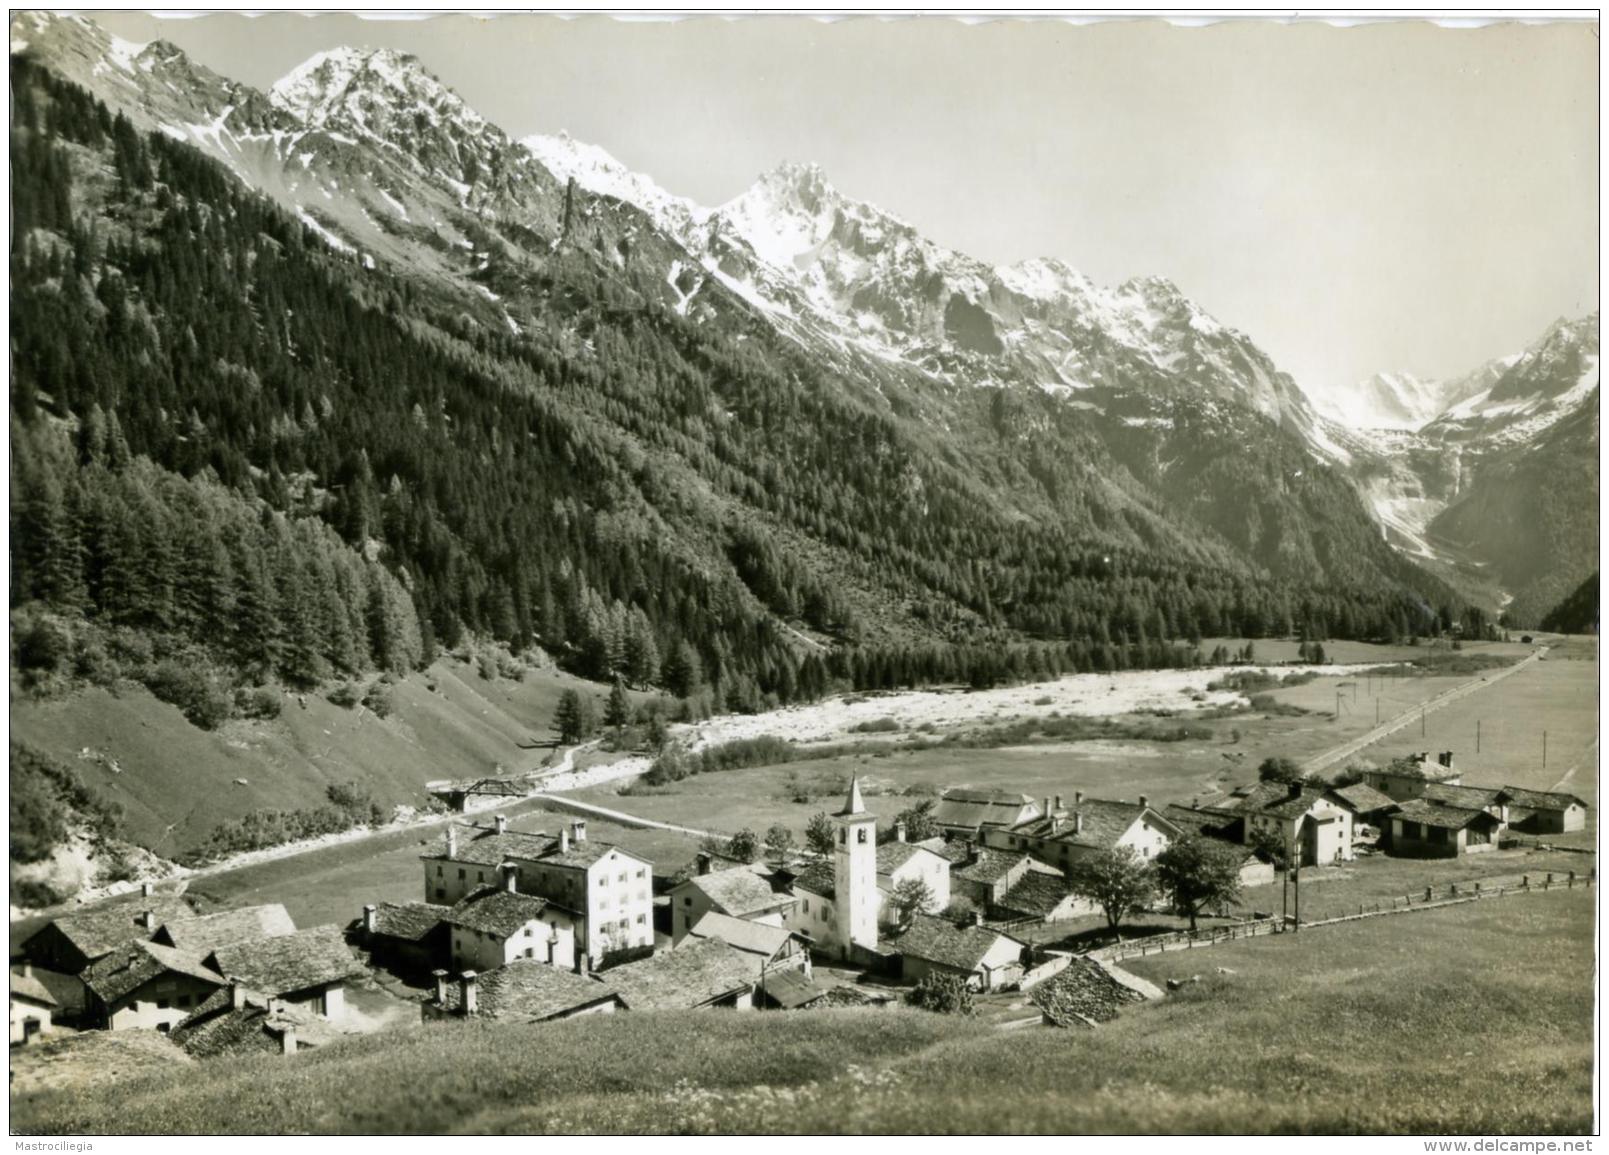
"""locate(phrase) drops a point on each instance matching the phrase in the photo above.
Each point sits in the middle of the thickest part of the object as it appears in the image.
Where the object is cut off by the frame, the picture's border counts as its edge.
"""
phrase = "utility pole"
(1338, 705)
(1544, 749)
(1421, 721)
(1477, 735)
(1296, 887)
(1377, 711)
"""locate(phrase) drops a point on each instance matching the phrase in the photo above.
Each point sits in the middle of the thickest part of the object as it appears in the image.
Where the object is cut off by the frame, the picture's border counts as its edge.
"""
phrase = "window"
(480, 876)
(622, 877)
(441, 894)
(807, 906)
(182, 1001)
(688, 900)
(641, 873)
(641, 918)
(461, 875)
(528, 932)
(162, 1004)
(438, 870)
(164, 1028)
(529, 951)
(603, 880)
(860, 835)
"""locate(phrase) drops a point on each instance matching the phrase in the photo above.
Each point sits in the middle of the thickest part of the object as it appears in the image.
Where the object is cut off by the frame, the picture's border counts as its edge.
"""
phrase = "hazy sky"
(1393, 196)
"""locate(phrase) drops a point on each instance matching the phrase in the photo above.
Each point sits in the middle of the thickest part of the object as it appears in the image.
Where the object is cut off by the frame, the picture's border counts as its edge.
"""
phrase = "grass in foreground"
(1468, 1019)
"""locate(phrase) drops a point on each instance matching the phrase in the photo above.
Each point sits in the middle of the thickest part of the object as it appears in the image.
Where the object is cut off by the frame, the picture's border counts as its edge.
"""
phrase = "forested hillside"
(227, 432)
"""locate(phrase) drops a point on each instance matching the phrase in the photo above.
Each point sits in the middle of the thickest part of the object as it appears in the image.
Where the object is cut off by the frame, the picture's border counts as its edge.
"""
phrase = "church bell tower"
(855, 898)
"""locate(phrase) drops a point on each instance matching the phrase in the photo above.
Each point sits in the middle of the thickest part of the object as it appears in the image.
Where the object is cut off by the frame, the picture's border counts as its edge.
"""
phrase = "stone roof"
(206, 933)
(990, 865)
(410, 921)
(1036, 894)
(1421, 766)
(293, 962)
(1201, 820)
(99, 932)
(740, 891)
(28, 987)
(1363, 798)
(790, 989)
(128, 969)
(1104, 823)
(741, 934)
(819, 877)
(479, 846)
(1440, 814)
(1469, 797)
(1276, 799)
(527, 990)
(494, 910)
(961, 807)
(217, 1027)
(938, 940)
(893, 855)
(690, 976)
(1539, 799)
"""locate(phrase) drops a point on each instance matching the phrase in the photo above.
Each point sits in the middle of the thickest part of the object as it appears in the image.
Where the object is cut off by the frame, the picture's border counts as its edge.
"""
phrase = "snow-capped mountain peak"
(344, 83)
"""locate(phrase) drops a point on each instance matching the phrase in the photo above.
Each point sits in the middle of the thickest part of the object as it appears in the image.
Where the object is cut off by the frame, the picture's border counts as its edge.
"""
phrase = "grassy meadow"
(1470, 1019)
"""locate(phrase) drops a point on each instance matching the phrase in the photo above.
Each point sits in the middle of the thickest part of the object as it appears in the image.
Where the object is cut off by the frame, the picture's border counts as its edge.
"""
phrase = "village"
(536, 927)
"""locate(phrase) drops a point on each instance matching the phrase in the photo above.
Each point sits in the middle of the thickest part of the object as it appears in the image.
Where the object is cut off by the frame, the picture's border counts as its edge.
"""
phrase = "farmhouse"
(985, 875)
(1310, 819)
(986, 959)
(308, 968)
(495, 925)
(766, 949)
(900, 861)
(1421, 829)
(32, 1007)
(788, 990)
(1042, 897)
(963, 811)
(233, 1022)
(1542, 811)
(206, 933)
(70, 943)
(524, 991)
(1225, 826)
(410, 937)
(607, 887)
(705, 973)
(812, 915)
(1369, 809)
(1064, 837)
(1407, 777)
(747, 892)
(147, 985)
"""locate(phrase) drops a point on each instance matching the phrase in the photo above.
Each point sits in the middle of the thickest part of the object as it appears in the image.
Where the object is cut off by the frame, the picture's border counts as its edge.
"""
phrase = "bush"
(181, 684)
(876, 726)
(511, 667)
(259, 702)
(42, 646)
(94, 664)
(943, 994)
(379, 700)
(345, 695)
(488, 667)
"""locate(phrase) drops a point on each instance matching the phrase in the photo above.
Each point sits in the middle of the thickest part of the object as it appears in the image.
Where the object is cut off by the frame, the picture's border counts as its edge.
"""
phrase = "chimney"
(899, 832)
(975, 918)
(704, 861)
(1045, 804)
(237, 996)
(1446, 759)
(1058, 803)
(441, 986)
(564, 840)
(1195, 804)
(468, 997)
(369, 911)
(1295, 789)
(502, 823)
(578, 830)
(1078, 822)
(27, 970)
(1144, 801)
(582, 962)
(148, 920)
(147, 889)
(452, 840)
(1078, 797)
(287, 1039)
(511, 877)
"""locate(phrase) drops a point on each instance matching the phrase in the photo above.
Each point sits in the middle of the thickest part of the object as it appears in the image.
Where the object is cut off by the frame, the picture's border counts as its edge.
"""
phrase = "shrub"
(181, 684)
(875, 726)
(511, 667)
(94, 664)
(488, 667)
(379, 700)
(42, 645)
(259, 702)
(345, 695)
(943, 994)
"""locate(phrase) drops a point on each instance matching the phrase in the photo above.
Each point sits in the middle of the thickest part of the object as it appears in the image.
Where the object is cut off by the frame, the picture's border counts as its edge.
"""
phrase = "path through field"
(1478, 682)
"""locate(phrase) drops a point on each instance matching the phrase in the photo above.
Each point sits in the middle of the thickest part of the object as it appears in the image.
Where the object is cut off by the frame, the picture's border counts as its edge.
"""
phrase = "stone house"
(749, 892)
(1065, 837)
(1043, 898)
(411, 938)
(32, 1007)
(986, 959)
(307, 969)
(703, 973)
(900, 861)
(495, 925)
(1422, 829)
(1407, 777)
(610, 889)
(524, 991)
(1543, 811)
(1370, 811)
(1310, 821)
(71, 942)
(147, 985)
(962, 811)
(1226, 827)
(767, 949)
(233, 1022)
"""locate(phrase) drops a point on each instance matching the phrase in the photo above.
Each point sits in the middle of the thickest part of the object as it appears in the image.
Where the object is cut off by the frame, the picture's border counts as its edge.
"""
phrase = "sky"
(1394, 196)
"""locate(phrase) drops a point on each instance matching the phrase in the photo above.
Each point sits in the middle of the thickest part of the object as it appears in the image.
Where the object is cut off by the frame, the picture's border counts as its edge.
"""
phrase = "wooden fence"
(1430, 898)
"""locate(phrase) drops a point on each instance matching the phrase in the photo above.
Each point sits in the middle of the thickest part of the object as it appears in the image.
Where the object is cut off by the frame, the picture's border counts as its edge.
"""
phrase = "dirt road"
(1479, 682)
